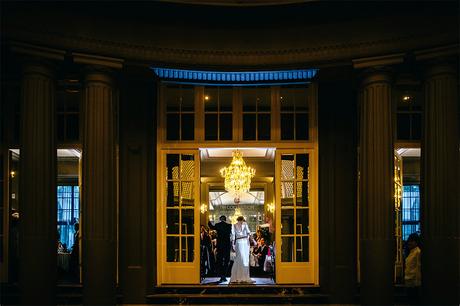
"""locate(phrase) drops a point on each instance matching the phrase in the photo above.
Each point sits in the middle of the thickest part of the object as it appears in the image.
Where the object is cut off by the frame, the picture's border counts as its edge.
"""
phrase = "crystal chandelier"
(237, 175)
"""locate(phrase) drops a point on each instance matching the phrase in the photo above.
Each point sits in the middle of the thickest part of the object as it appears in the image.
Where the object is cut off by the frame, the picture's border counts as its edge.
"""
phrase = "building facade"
(117, 118)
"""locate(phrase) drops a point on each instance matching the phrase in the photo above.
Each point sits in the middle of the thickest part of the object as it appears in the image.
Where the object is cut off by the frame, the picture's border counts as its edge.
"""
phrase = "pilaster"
(376, 188)
(440, 176)
(99, 205)
(38, 236)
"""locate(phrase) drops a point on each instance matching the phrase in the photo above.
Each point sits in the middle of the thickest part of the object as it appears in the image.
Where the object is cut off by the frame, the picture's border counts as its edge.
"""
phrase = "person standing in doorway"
(223, 230)
(412, 271)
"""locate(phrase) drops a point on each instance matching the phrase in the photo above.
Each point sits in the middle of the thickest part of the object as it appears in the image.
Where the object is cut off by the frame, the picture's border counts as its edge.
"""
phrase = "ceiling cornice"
(299, 57)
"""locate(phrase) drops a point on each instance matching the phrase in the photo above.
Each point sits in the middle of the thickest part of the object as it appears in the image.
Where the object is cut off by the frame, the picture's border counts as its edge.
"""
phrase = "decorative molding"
(235, 77)
(150, 53)
(88, 59)
(436, 53)
(37, 51)
(383, 60)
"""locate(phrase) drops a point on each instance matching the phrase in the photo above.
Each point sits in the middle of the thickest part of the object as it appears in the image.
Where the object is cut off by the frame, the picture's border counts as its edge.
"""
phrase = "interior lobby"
(128, 129)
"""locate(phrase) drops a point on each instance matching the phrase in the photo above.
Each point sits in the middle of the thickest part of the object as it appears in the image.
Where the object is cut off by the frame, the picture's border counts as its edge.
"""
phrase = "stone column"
(377, 254)
(440, 199)
(99, 211)
(37, 191)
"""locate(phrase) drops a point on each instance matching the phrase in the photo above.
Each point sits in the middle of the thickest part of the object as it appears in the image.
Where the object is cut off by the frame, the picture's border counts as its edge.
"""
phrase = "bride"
(240, 244)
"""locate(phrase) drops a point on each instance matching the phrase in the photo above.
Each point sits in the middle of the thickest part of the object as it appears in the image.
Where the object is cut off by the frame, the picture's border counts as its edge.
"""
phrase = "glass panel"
(300, 97)
(287, 249)
(210, 127)
(172, 164)
(73, 102)
(287, 126)
(249, 96)
(188, 99)
(287, 192)
(187, 221)
(172, 249)
(301, 194)
(263, 99)
(249, 127)
(263, 126)
(403, 126)
(286, 99)
(302, 248)
(172, 194)
(416, 126)
(187, 249)
(211, 99)
(225, 99)
(72, 129)
(287, 167)
(172, 221)
(287, 221)
(188, 126)
(172, 126)
(225, 129)
(60, 127)
(301, 126)
(302, 226)
(172, 97)
(187, 167)
(187, 194)
(302, 166)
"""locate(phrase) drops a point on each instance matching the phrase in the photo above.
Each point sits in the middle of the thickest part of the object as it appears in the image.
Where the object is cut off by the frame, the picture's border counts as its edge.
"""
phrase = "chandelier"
(237, 175)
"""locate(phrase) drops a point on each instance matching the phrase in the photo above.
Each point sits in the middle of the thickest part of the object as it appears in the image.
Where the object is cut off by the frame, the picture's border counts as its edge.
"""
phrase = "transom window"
(180, 112)
(256, 113)
(294, 113)
(218, 113)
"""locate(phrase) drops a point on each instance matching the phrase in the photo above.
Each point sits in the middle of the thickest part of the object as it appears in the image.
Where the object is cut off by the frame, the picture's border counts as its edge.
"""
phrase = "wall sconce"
(271, 207)
(203, 208)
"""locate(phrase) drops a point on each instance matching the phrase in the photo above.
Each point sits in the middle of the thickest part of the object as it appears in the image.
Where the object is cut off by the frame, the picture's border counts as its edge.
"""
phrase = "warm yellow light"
(237, 175)
(13, 174)
(406, 98)
(203, 208)
(206, 98)
(271, 207)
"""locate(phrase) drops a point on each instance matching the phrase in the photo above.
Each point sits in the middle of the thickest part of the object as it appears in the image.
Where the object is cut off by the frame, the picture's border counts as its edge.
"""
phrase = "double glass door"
(178, 217)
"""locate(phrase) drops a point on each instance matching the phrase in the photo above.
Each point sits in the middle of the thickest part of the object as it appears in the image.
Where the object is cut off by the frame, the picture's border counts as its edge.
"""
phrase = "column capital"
(376, 74)
(99, 74)
(42, 67)
(439, 67)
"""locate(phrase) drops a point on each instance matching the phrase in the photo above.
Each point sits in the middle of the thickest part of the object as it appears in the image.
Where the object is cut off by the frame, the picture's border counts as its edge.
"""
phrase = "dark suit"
(224, 231)
(263, 251)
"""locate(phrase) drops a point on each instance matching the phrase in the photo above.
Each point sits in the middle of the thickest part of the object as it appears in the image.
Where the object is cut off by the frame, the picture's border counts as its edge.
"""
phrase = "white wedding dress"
(240, 269)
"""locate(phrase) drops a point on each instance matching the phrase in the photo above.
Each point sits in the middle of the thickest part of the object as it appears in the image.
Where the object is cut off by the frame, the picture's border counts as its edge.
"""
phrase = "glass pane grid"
(180, 218)
(295, 217)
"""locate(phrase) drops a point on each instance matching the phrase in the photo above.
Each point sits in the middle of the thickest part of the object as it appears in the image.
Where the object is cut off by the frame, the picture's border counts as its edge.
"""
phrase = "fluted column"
(440, 202)
(376, 189)
(99, 190)
(37, 191)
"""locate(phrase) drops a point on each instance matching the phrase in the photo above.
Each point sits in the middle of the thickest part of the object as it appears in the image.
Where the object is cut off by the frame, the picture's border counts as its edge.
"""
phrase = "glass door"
(296, 221)
(178, 218)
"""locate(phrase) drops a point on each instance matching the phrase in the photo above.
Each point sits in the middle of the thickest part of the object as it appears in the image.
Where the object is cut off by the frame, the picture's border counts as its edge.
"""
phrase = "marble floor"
(257, 281)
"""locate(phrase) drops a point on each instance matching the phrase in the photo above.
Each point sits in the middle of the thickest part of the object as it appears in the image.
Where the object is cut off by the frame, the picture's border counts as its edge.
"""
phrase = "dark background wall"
(137, 154)
(337, 184)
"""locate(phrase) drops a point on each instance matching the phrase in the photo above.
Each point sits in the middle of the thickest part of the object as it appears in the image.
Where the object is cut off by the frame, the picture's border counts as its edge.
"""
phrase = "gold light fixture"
(237, 175)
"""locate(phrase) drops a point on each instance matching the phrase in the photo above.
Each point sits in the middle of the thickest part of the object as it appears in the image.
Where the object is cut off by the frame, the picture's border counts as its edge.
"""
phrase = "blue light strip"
(237, 78)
